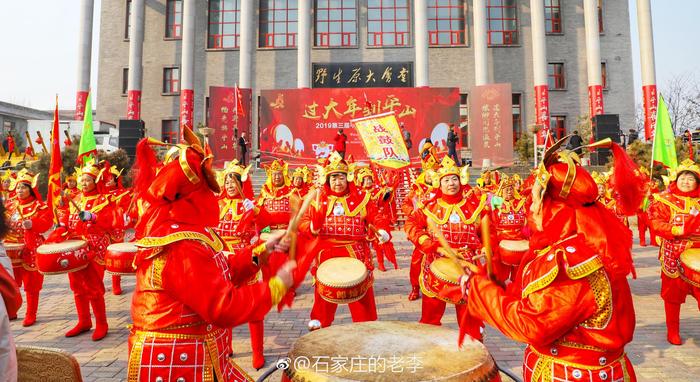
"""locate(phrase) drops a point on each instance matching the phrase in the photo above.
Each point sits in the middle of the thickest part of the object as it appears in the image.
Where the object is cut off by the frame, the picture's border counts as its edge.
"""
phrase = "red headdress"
(181, 192)
(569, 206)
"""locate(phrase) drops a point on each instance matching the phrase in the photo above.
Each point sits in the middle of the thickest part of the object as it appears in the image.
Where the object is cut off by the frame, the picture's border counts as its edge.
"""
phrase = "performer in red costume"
(301, 180)
(456, 212)
(381, 197)
(673, 215)
(70, 186)
(120, 198)
(29, 217)
(185, 302)
(340, 216)
(570, 302)
(421, 192)
(509, 216)
(90, 217)
(642, 215)
(9, 180)
(606, 196)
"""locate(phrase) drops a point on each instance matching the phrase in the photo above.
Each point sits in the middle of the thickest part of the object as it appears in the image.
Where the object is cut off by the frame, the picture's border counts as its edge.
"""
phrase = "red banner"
(133, 105)
(542, 112)
(595, 100)
(491, 124)
(186, 109)
(299, 125)
(228, 126)
(80, 99)
(651, 102)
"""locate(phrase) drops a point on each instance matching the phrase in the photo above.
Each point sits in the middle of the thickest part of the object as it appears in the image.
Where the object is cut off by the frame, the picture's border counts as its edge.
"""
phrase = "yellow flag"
(382, 140)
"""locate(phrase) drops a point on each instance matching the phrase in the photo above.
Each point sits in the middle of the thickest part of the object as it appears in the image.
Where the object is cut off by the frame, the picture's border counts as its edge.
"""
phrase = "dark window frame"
(556, 79)
(553, 24)
(376, 39)
(266, 23)
(167, 79)
(215, 41)
(173, 31)
(509, 37)
(172, 133)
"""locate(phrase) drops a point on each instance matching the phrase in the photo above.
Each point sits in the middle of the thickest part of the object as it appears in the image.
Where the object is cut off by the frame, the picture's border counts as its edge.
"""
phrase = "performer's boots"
(116, 285)
(673, 313)
(32, 306)
(415, 293)
(98, 309)
(257, 333)
(82, 305)
(642, 239)
(380, 258)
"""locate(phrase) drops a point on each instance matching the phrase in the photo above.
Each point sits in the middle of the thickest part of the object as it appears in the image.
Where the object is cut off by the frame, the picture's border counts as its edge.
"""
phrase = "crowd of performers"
(546, 259)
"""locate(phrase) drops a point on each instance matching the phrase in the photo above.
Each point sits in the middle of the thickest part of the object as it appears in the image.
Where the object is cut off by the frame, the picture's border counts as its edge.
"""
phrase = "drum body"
(342, 280)
(442, 281)
(119, 259)
(68, 256)
(14, 252)
(512, 251)
(689, 266)
(388, 351)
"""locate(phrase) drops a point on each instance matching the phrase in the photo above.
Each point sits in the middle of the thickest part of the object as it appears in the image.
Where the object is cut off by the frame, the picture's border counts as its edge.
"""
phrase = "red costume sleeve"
(416, 226)
(9, 291)
(378, 220)
(41, 221)
(242, 266)
(537, 319)
(193, 278)
(659, 219)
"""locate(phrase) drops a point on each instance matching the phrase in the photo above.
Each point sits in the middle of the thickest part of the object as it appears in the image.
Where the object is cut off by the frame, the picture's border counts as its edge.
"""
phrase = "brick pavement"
(105, 360)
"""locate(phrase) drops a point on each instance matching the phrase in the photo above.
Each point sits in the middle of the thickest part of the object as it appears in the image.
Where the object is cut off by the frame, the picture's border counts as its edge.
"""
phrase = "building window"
(8, 127)
(171, 80)
(173, 19)
(600, 17)
(278, 23)
(224, 24)
(127, 23)
(388, 23)
(170, 131)
(502, 18)
(604, 75)
(517, 116)
(552, 16)
(555, 76)
(446, 25)
(336, 22)
(125, 80)
(464, 118)
(557, 126)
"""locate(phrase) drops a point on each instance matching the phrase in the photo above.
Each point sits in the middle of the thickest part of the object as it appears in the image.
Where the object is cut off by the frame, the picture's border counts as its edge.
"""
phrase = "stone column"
(539, 66)
(189, 7)
(245, 70)
(304, 44)
(420, 15)
(595, 81)
(84, 57)
(646, 50)
(481, 60)
(133, 104)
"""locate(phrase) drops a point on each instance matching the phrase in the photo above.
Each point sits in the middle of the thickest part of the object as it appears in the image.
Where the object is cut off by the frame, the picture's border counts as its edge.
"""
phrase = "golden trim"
(344, 202)
(585, 268)
(544, 372)
(450, 208)
(541, 282)
(277, 289)
(688, 203)
(148, 242)
(189, 173)
(600, 285)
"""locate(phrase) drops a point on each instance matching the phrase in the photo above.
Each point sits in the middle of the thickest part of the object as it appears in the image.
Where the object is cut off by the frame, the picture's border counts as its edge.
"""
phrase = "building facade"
(373, 31)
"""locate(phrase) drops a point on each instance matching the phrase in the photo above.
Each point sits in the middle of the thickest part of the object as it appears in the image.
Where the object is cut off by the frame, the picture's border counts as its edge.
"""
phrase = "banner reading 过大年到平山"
(381, 137)
(299, 125)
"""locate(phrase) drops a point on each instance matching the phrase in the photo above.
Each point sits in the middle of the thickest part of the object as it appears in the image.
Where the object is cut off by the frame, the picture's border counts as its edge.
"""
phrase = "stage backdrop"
(222, 112)
(491, 124)
(299, 125)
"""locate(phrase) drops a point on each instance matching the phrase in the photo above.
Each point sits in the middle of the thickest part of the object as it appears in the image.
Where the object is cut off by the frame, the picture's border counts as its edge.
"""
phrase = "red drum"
(689, 266)
(68, 256)
(119, 259)
(14, 252)
(342, 280)
(442, 281)
(512, 251)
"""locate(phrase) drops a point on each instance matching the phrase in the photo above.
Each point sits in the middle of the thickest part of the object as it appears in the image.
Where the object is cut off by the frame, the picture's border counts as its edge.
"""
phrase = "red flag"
(239, 102)
(55, 167)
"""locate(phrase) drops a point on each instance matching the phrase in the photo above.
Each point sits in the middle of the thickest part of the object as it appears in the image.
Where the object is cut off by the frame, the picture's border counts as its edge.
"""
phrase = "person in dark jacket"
(575, 143)
(340, 140)
(452, 139)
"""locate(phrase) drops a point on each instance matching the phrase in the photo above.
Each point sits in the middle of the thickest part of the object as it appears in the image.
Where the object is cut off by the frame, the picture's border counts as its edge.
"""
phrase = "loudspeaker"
(130, 133)
(605, 126)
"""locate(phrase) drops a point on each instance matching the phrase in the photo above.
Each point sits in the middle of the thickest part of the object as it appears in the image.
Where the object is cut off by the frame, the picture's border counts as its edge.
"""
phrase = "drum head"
(515, 245)
(691, 258)
(446, 270)
(122, 247)
(388, 351)
(341, 272)
(66, 246)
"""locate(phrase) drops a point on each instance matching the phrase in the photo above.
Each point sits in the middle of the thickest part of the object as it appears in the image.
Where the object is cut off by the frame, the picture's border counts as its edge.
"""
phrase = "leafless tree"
(682, 96)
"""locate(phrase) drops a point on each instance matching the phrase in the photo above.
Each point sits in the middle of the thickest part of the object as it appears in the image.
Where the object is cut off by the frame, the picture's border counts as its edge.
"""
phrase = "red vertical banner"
(542, 112)
(595, 100)
(80, 99)
(299, 125)
(491, 124)
(651, 102)
(186, 109)
(229, 116)
(133, 105)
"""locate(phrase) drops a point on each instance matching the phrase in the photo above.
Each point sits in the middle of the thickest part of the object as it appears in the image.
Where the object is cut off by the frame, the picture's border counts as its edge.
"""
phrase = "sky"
(39, 47)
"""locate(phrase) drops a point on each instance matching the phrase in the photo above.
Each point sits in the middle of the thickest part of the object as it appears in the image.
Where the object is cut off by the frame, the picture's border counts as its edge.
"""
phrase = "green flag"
(664, 139)
(87, 148)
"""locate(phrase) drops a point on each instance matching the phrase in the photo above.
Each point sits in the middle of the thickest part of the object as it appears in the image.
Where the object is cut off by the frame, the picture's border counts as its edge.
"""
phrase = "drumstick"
(294, 223)
(451, 254)
(486, 240)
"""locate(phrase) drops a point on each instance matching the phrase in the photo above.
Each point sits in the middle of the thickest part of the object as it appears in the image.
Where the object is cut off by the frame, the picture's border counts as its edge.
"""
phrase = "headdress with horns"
(277, 165)
(334, 164)
(30, 180)
(449, 167)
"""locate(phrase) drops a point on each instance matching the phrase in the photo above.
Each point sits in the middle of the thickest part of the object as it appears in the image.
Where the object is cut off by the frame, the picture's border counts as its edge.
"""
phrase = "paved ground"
(105, 360)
